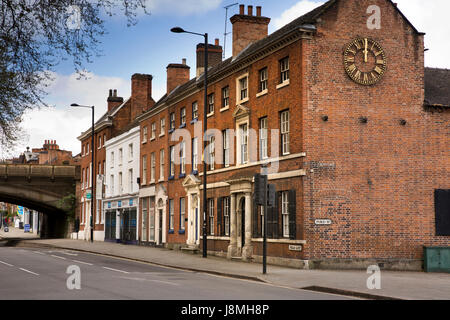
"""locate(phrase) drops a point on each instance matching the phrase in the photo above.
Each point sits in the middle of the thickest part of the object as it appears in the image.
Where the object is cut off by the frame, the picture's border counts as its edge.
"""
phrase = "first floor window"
(183, 157)
(263, 138)
(285, 128)
(161, 164)
(130, 181)
(285, 213)
(211, 216)
(153, 167)
(244, 143)
(226, 148)
(183, 116)
(111, 185)
(182, 213)
(243, 87)
(144, 170)
(172, 121)
(171, 216)
(212, 147)
(194, 154)
(225, 97)
(153, 130)
(163, 126)
(172, 162)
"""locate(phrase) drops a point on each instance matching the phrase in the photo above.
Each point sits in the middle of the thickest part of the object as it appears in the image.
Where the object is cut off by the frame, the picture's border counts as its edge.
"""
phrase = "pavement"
(394, 284)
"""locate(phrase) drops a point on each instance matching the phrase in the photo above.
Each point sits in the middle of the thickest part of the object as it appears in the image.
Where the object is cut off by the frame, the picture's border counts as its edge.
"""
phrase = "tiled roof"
(437, 87)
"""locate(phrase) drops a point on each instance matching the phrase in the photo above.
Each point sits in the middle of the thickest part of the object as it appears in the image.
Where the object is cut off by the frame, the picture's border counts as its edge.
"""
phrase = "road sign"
(27, 228)
(89, 196)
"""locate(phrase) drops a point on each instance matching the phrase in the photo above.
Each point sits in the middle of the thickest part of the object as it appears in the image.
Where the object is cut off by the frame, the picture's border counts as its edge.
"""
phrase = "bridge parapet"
(39, 171)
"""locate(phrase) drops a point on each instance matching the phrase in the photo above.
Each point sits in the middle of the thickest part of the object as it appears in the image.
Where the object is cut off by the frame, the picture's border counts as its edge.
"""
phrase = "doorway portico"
(191, 185)
(240, 219)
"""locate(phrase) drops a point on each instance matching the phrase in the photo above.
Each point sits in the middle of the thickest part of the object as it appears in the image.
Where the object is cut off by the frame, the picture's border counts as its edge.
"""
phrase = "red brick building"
(335, 103)
(120, 117)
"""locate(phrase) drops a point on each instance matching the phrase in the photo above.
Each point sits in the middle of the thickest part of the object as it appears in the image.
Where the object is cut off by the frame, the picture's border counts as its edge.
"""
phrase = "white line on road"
(141, 279)
(39, 252)
(89, 264)
(69, 254)
(10, 265)
(28, 271)
(62, 258)
(116, 270)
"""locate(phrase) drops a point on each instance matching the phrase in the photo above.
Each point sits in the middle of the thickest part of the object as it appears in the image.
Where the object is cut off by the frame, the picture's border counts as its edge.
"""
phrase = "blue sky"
(149, 47)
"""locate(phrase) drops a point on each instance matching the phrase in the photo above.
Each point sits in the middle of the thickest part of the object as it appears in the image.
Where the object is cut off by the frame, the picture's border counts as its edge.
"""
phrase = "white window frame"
(120, 156)
(285, 213)
(182, 213)
(195, 110)
(130, 181)
(144, 170)
(183, 116)
(263, 79)
(284, 70)
(172, 121)
(130, 152)
(211, 104)
(285, 130)
(171, 215)
(120, 183)
(161, 165)
(162, 123)
(172, 161)
(212, 152)
(226, 148)
(195, 154)
(263, 138)
(111, 185)
(153, 137)
(152, 167)
(225, 98)
(145, 134)
(211, 216)
(183, 157)
(243, 143)
(226, 214)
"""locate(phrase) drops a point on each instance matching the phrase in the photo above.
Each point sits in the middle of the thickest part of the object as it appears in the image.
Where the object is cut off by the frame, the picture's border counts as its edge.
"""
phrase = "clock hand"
(365, 50)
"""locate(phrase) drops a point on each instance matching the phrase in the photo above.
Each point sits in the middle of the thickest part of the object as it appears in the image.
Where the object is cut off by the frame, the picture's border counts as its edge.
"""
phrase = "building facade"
(334, 104)
(121, 202)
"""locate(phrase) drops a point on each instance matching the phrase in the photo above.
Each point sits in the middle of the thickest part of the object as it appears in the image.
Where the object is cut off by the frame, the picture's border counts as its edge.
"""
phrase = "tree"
(36, 35)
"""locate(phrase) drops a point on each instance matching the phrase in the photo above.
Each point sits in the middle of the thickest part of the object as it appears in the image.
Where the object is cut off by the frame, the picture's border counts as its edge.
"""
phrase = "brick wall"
(376, 180)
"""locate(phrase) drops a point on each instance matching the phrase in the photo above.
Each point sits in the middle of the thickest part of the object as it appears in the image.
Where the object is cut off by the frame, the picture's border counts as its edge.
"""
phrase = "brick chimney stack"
(113, 100)
(141, 94)
(214, 56)
(248, 29)
(177, 74)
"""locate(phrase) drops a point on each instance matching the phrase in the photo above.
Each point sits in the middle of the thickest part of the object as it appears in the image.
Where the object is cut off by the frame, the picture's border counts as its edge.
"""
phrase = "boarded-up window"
(442, 207)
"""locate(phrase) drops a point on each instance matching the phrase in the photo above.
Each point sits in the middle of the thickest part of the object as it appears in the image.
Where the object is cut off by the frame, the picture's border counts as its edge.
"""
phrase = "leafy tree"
(36, 35)
(69, 205)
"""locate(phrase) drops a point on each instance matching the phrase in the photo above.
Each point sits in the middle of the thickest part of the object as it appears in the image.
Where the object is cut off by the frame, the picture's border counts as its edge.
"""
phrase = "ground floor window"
(152, 219)
(144, 218)
(442, 208)
(211, 216)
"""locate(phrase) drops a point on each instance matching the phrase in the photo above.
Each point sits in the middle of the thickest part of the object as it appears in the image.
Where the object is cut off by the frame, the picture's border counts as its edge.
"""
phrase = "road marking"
(89, 264)
(28, 271)
(70, 254)
(116, 270)
(141, 279)
(10, 265)
(62, 258)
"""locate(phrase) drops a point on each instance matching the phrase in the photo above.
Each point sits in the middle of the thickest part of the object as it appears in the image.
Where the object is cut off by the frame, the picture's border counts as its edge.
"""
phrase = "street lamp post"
(205, 128)
(92, 221)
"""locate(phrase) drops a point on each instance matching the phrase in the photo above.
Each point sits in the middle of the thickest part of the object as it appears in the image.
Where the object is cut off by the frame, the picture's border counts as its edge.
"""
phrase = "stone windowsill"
(262, 93)
(284, 84)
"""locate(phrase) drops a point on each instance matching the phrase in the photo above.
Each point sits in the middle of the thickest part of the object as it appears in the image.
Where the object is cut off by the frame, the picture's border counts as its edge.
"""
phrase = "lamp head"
(74, 105)
(177, 30)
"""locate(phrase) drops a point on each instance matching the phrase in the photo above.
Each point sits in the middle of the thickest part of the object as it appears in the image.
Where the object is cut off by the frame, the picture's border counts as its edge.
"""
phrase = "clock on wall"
(365, 61)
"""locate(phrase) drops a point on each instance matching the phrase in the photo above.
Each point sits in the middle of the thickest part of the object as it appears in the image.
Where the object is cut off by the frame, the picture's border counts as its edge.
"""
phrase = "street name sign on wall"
(295, 247)
(323, 222)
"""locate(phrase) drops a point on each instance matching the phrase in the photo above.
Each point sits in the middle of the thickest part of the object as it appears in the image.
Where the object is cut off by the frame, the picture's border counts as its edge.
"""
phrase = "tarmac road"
(40, 274)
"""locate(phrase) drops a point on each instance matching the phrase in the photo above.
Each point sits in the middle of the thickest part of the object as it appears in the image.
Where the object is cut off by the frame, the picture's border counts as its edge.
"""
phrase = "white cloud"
(63, 123)
(185, 7)
(429, 17)
(426, 16)
(299, 9)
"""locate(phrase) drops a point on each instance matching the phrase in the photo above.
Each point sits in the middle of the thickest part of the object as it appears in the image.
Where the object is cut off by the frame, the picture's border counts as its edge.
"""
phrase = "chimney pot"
(258, 11)
(250, 10)
(241, 9)
(216, 42)
(115, 92)
(110, 92)
(184, 61)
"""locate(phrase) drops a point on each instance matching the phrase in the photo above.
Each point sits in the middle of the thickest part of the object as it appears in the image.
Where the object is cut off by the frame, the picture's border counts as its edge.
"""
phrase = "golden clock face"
(365, 61)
